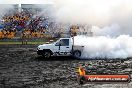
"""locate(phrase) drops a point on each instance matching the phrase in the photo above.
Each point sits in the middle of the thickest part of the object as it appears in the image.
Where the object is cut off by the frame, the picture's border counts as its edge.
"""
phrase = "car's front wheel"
(46, 54)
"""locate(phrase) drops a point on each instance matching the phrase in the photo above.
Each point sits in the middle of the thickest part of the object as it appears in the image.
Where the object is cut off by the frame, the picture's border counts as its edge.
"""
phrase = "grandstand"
(24, 20)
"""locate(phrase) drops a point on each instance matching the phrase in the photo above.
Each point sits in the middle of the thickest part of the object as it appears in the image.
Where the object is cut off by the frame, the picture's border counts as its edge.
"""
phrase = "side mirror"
(57, 44)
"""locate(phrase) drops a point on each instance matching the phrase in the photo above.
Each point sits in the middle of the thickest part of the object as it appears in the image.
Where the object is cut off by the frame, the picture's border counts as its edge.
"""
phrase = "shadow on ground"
(60, 58)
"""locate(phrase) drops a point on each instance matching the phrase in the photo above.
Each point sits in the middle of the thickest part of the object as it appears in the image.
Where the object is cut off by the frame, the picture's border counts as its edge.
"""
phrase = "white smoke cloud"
(99, 13)
(92, 11)
(26, 2)
(105, 47)
(111, 25)
(112, 30)
(4, 8)
(36, 2)
(9, 1)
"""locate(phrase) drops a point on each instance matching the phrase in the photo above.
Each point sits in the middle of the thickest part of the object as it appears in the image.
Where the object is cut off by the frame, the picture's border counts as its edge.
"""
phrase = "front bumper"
(39, 52)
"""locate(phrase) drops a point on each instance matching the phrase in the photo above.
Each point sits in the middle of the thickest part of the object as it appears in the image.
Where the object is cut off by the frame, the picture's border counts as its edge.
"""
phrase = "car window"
(63, 42)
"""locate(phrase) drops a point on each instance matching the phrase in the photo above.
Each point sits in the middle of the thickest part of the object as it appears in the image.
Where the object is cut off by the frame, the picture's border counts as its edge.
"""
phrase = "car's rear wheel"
(46, 54)
(77, 54)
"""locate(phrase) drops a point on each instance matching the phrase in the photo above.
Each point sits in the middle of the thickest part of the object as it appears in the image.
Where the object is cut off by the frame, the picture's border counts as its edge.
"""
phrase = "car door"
(63, 46)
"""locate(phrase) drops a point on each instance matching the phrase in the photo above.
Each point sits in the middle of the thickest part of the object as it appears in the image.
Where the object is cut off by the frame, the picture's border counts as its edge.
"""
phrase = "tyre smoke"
(105, 47)
(110, 22)
(97, 13)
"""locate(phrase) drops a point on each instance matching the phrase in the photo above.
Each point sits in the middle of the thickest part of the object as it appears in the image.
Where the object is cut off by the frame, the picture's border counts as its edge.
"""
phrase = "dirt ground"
(21, 67)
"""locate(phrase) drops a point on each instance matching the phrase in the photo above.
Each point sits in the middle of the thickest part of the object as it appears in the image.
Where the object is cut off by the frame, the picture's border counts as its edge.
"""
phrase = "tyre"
(46, 54)
(77, 54)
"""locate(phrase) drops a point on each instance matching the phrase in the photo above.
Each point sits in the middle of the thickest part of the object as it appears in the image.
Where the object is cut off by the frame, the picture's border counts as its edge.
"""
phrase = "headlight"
(38, 48)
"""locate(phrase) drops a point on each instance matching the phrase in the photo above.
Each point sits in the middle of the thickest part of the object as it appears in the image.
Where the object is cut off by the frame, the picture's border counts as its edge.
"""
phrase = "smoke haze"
(110, 22)
(105, 47)
(99, 13)
(4, 8)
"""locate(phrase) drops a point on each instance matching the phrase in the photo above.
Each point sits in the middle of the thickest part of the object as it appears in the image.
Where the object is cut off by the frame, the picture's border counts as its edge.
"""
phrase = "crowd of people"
(26, 23)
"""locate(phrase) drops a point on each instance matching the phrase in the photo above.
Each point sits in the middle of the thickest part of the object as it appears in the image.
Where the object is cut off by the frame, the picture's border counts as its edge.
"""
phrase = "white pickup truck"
(62, 47)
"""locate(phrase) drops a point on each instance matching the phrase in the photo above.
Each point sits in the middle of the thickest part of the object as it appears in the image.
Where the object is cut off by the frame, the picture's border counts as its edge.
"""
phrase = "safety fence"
(25, 41)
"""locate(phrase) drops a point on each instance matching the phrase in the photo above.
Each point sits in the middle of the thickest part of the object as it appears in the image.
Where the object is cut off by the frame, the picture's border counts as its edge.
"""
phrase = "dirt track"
(21, 67)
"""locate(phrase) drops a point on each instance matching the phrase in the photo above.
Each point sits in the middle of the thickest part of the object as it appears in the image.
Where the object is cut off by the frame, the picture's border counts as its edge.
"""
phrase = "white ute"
(62, 47)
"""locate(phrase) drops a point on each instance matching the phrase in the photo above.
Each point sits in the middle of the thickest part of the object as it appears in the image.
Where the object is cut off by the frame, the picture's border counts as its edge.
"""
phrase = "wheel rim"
(77, 54)
(47, 54)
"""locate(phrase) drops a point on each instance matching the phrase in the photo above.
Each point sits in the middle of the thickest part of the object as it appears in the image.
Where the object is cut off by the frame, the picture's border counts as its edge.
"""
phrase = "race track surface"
(21, 67)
